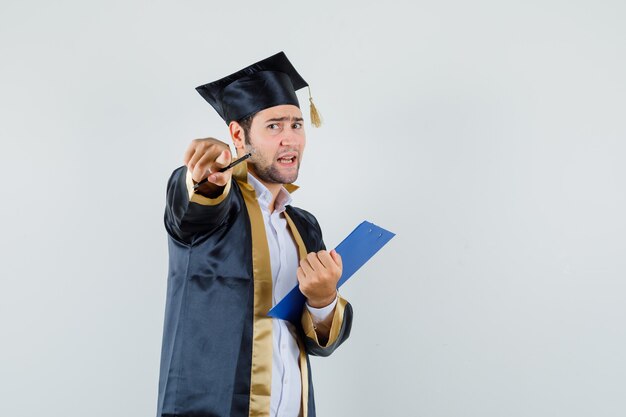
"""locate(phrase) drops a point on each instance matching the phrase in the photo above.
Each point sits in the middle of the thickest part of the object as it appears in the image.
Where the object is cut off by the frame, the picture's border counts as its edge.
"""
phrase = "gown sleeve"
(188, 214)
(339, 329)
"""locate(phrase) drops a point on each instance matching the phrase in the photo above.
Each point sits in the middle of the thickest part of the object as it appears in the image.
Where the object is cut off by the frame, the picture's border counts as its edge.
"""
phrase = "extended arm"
(188, 211)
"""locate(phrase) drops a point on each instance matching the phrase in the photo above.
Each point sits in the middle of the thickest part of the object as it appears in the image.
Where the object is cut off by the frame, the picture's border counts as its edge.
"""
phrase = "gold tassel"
(316, 118)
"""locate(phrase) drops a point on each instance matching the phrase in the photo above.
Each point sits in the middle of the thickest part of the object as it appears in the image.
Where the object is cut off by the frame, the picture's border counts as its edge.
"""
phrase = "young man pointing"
(237, 247)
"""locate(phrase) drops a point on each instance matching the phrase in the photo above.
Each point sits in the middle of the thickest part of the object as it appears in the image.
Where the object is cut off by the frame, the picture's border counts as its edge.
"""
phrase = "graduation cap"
(270, 82)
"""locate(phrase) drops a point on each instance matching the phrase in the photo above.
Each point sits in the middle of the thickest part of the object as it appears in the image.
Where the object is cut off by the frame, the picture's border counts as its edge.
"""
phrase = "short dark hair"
(245, 124)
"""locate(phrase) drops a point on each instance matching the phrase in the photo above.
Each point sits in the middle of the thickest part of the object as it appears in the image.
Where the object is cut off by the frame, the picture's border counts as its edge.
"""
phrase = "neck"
(274, 189)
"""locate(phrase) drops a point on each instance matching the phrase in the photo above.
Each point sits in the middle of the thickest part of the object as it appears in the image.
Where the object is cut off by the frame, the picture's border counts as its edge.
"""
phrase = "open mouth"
(287, 159)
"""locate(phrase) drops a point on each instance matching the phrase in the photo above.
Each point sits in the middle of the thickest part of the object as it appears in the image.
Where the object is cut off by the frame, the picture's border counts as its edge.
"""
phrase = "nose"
(290, 137)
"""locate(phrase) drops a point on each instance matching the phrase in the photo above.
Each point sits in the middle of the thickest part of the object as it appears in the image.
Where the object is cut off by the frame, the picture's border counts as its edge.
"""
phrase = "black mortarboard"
(267, 83)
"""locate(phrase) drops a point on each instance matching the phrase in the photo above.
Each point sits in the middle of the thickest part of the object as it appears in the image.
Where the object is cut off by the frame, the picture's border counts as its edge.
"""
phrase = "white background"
(489, 135)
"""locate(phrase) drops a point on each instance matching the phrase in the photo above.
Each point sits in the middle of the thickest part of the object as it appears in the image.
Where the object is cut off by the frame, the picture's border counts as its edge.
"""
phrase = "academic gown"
(216, 357)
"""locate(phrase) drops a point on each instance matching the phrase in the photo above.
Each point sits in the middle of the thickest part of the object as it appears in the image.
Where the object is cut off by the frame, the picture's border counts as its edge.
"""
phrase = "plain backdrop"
(489, 135)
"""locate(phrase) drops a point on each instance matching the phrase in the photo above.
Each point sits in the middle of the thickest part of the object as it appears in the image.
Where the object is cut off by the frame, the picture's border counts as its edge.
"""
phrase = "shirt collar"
(264, 195)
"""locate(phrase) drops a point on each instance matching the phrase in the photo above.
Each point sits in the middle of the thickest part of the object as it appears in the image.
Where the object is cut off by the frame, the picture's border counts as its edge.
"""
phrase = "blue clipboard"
(355, 250)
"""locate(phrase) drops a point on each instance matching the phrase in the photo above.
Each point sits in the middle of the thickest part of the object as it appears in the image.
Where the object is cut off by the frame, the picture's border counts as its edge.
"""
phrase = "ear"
(237, 136)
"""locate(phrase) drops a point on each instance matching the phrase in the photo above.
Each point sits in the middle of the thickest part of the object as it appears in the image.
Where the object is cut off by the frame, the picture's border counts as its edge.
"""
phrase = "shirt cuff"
(320, 314)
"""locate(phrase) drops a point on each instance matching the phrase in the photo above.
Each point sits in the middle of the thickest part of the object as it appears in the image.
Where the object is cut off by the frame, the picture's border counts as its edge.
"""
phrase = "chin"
(288, 178)
(291, 180)
(285, 176)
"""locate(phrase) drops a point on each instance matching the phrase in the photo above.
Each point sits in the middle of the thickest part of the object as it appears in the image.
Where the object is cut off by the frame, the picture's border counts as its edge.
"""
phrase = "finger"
(204, 166)
(222, 160)
(189, 153)
(337, 258)
(197, 154)
(219, 178)
(301, 275)
(326, 260)
(314, 261)
(205, 161)
(199, 172)
(306, 266)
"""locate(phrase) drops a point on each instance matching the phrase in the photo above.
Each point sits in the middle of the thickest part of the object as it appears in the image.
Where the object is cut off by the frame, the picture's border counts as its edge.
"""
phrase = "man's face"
(276, 141)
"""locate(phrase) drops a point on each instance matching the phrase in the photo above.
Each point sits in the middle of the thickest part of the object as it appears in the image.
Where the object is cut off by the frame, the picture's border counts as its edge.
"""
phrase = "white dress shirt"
(286, 380)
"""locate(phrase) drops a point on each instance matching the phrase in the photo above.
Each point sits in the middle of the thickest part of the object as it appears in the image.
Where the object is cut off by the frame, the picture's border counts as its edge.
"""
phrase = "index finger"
(221, 161)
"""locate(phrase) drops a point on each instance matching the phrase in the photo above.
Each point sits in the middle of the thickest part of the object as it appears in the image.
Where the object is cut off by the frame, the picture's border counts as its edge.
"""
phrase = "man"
(236, 248)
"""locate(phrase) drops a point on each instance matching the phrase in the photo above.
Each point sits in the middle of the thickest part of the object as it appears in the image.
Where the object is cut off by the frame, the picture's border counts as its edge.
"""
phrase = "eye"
(297, 125)
(273, 126)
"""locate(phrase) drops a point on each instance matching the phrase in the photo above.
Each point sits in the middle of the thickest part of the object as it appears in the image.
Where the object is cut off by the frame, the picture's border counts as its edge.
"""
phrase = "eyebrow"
(284, 119)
